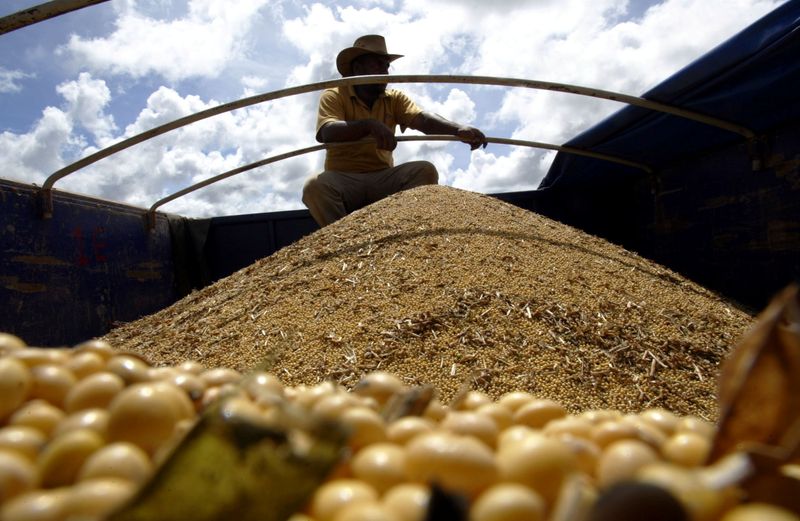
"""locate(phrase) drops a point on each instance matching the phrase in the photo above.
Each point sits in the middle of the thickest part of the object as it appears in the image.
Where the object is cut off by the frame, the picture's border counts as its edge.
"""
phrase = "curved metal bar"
(42, 12)
(406, 78)
(301, 151)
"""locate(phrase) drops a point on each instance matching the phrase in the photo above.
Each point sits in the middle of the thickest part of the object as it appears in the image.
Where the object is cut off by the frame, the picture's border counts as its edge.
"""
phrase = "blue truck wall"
(238, 241)
(711, 217)
(730, 227)
(70, 278)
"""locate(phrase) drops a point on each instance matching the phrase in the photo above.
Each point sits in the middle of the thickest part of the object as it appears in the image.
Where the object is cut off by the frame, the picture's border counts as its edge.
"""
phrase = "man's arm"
(430, 123)
(339, 131)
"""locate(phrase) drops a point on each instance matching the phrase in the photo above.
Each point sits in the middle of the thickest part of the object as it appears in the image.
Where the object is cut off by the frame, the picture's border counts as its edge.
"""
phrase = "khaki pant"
(331, 195)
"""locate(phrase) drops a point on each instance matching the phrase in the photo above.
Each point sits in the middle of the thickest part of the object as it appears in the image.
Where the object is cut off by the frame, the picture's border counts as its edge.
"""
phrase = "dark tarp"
(753, 80)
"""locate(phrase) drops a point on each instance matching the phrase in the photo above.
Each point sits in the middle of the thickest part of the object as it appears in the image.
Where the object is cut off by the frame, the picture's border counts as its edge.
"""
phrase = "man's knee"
(311, 189)
(425, 173)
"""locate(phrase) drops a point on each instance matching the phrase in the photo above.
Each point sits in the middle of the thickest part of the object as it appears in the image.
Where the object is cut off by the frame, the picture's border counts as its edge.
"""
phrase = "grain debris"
(441, 286)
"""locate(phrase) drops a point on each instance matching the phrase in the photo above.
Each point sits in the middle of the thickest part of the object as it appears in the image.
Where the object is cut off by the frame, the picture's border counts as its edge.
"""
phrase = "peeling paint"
(142, 275)
(13, 284)
(44, 260)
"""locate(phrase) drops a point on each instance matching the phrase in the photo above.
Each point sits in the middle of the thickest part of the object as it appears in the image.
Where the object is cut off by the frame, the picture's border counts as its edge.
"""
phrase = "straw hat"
(369, 44)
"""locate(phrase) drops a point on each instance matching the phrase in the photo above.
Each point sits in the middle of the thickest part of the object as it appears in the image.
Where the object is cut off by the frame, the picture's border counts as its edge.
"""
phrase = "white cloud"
(201, 44)
(522, 169)
(86, 99)
(9, 80)
(33, 156)
(145, 173)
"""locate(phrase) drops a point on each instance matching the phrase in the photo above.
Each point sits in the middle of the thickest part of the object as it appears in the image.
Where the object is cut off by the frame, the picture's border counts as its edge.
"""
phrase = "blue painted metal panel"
(72, 277)
(237, 241)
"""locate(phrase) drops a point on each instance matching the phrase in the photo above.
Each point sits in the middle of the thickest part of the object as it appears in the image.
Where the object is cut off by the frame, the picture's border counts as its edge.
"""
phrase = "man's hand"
(339, 131)
(472, 136)
(383, 136)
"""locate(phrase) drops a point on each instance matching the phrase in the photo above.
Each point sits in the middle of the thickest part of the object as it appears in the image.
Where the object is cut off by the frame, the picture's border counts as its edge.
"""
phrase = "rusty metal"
(42, 12)
(408, 78)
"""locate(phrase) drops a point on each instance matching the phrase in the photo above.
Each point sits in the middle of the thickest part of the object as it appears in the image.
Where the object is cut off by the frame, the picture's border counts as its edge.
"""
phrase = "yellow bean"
(608, 432)
(538, 413)
(686, 448)
(622, 459)
(365, 511)
(759, 512)
(162, 373)
(62, 459)
(219, 376)
(15, 384)
(192, 385)
(38, 414)
(515, 434)
(696, 425)
(435, 410)
(572, 425)
(36, 505)
(33, 356)
(130, 368)
(333, 404)
(500, 414)
(586, 452)
(92, 419)
(404, 429)
(261, 385)
(120, 460)
(408, 501)
(51, 383)
(508, 502)
(471, 424)
(191, 367)
(598, 416)
(94, 391)
(379, 385)
(9, 342)
(366, 424)
(661, 418)
(22, 439)
(473, 400)
(646, 431)
(98, 347)
(537, 462)
(212, 394)
(381, 465)
(514, 400)
(17, 475)
(459, 463)
(146, 414)
(94, 499)
(332, 496)
(85, 363)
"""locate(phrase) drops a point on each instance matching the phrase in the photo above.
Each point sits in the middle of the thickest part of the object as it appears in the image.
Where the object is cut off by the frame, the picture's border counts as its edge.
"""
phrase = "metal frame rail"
(45, 192)
(151, 213)
(42, 12)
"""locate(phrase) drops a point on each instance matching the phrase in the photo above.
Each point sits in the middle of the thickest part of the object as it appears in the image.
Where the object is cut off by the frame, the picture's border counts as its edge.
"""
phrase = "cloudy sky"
(75, 84)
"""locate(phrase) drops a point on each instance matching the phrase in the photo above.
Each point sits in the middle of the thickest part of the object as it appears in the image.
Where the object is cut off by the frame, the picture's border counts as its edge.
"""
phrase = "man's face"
(372, 64)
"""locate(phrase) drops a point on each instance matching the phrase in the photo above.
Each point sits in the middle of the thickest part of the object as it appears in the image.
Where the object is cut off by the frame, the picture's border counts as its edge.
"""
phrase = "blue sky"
(77, 83)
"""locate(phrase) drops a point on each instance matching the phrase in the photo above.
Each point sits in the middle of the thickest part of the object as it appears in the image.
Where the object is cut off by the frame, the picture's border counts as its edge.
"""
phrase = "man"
(358, 175)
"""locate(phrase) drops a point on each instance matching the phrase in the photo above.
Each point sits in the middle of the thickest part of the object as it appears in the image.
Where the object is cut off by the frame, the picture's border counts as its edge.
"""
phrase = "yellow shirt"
(341, 104)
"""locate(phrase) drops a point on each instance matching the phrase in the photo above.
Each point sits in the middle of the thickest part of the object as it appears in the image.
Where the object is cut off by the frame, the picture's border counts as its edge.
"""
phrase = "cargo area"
(621, 343)
(722, 210)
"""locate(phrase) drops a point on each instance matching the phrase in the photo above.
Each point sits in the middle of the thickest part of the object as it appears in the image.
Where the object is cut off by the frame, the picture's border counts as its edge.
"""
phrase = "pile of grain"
(442, 286)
